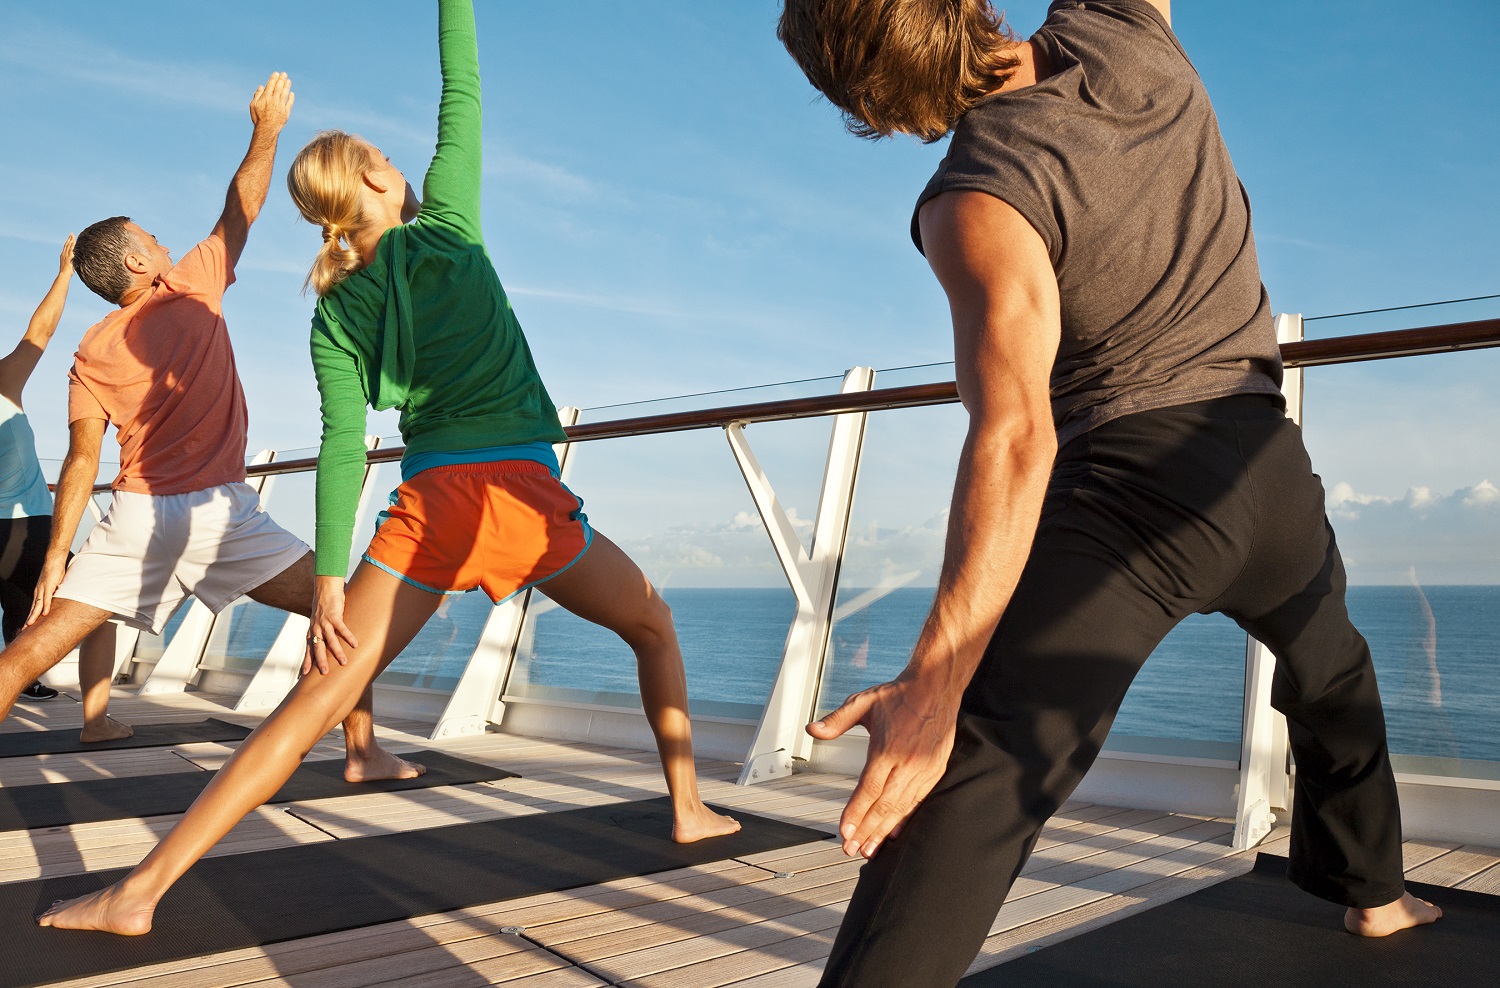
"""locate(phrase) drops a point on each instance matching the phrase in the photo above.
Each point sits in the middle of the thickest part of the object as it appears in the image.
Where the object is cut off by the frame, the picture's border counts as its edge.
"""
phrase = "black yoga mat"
(245, 900)
(60, 803)
(15, 743)
(1260, 929)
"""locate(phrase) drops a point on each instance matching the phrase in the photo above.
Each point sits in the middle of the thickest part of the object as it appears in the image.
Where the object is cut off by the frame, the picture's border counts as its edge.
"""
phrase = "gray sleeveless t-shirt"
(1117, 161)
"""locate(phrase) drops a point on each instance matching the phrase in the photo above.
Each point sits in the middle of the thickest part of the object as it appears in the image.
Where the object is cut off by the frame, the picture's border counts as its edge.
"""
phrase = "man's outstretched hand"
(911, 729)
(271, 106)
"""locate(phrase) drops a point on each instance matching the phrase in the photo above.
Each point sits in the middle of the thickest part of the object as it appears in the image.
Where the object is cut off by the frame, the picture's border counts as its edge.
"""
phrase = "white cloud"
(1450, 538)
(1343, 501)
(1483, 492)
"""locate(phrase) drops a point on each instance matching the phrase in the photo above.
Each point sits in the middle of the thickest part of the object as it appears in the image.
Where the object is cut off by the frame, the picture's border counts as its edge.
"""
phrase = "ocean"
(1436, 650)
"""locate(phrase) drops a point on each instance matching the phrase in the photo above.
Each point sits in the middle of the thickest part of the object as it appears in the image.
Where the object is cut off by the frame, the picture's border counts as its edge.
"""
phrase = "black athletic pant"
(1205, 507)
(23, 551)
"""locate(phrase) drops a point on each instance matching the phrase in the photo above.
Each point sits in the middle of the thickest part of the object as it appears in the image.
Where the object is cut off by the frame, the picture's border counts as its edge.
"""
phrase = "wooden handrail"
(1397, 343)
(1306, 353)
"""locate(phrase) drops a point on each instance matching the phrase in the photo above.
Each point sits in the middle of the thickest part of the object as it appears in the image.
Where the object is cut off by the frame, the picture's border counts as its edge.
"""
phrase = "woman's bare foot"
(701, 823)
(110, 910)
(380, 764)
(109, 730)
(1382, 921)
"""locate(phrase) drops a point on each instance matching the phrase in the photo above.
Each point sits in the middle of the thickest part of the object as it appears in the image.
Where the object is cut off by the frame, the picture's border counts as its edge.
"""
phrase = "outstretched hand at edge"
(271, 106)
(911, 727)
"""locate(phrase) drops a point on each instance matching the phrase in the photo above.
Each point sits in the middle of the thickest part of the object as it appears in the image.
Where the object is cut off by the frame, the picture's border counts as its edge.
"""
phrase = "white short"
(151, 550)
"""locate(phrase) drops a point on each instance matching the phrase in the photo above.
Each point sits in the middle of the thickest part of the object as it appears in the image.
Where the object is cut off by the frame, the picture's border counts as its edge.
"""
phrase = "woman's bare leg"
(96, 672)
(364, 759)
(385, 614)
(605, 587)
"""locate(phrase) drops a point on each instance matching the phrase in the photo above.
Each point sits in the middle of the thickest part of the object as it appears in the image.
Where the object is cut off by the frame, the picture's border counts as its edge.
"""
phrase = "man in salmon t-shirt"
(182, 519)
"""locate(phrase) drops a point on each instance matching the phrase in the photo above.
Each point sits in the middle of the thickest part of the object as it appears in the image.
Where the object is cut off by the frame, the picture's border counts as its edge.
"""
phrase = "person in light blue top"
(26, 515)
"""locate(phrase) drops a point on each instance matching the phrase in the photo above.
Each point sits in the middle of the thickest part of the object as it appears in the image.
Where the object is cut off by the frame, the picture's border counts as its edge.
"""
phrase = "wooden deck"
(763, 921)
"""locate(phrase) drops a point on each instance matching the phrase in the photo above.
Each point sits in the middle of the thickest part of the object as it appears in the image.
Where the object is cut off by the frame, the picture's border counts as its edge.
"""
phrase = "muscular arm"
(1002, 295)
(270, 108)
(75, 486)
(16, 367)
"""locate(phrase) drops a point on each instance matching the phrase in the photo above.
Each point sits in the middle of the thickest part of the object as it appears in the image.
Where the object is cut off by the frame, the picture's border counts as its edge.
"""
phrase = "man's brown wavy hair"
(899, 66)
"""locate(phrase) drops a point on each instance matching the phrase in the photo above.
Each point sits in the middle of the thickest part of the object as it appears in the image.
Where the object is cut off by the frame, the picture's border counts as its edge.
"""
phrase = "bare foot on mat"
(1382, 921)
(701, 824)
(109, 910)
(380, 765)
(110, 730)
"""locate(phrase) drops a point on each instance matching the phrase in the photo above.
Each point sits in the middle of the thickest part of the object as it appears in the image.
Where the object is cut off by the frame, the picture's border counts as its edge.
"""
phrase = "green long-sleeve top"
(426, 327)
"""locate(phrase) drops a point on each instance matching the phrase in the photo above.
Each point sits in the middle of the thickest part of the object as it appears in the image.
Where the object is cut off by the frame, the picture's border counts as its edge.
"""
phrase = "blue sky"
(673, 211)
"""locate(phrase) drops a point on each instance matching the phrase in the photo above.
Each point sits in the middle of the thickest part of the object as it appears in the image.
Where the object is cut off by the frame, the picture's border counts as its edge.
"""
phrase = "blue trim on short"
(588, 540)
(420, 586)
(538, 452)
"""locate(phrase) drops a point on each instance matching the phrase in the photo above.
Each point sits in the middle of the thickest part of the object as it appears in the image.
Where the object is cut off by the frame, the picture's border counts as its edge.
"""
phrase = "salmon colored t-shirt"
(161, 371)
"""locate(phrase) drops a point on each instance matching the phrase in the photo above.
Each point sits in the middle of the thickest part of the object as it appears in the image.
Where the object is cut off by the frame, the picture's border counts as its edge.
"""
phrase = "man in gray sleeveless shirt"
(1128, 463)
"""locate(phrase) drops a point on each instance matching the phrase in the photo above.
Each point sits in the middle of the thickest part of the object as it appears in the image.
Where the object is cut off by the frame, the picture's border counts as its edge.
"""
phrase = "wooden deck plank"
(438, 965)
(1487, 880)
(34, 770)
(764, 921)
(1015, 941)
(654, 925)
(1451, 868)
(703, 961)
(73, 850)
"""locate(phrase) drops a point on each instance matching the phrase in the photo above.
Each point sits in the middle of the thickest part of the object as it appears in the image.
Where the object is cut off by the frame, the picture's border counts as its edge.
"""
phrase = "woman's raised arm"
(450, 192)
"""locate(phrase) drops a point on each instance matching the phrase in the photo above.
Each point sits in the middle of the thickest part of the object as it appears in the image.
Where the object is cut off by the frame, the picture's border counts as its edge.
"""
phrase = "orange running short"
(501, 527)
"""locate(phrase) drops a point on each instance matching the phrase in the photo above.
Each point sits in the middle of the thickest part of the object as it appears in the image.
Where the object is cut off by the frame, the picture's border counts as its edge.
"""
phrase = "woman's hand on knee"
(327, 634)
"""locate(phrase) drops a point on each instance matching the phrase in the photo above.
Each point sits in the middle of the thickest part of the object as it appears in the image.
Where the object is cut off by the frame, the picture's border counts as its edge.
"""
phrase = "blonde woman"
(411, 315)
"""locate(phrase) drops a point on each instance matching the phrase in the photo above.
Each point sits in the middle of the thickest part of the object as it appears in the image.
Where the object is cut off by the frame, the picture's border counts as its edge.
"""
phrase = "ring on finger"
(316, 640)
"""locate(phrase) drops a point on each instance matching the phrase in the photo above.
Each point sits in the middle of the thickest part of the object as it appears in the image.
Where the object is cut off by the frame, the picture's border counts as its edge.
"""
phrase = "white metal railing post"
(1265, 784)
(813, 575)
(475, 702)
(179, 660)
(282, 664)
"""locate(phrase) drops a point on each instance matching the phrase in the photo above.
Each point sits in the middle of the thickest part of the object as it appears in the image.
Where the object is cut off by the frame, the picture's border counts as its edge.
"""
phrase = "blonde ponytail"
(324, 182)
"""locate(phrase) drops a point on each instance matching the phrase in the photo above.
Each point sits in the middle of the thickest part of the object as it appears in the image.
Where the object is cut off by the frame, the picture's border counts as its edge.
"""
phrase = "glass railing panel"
(149, 648)
(895, 544)
(678, 506)
(1188, 699)
(50, 470)
(1410, 463)
(244, 631)
(437, 657)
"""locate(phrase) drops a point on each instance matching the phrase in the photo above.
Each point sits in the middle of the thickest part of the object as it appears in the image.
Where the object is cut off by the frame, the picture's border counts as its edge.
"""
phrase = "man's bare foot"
(110, 910)
(701, 823)
(379, 765)
(1382, 921)
(110, 730)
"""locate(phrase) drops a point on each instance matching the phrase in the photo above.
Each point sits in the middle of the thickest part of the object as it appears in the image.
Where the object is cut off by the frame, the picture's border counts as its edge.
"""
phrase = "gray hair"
(99, 258)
